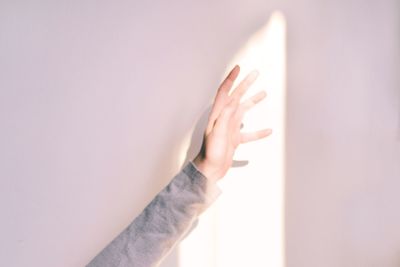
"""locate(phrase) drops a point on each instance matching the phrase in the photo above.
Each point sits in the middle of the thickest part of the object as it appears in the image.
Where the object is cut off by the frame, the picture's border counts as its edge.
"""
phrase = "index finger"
(241, 89)
(222, 96)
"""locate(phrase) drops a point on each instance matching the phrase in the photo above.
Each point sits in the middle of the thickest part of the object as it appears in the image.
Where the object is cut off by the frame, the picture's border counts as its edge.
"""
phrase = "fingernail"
(236, 68)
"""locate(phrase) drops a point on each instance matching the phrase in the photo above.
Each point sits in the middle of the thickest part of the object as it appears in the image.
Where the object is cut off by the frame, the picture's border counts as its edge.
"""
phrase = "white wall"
(96, 98)
(343, 134)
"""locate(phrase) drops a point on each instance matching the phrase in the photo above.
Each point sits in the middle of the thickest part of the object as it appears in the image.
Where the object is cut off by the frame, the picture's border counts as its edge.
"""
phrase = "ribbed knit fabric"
(168, 217)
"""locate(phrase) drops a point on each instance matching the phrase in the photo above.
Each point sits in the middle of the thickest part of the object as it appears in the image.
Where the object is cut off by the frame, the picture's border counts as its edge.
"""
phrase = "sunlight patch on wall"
(246, 225)
(250, 216)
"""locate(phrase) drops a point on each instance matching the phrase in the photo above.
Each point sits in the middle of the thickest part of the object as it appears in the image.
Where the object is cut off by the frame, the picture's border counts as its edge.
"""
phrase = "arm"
(149, 238)
(146, 241)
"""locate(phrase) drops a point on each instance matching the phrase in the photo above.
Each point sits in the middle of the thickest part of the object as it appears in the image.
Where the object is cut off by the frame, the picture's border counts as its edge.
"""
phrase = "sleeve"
(168, 217)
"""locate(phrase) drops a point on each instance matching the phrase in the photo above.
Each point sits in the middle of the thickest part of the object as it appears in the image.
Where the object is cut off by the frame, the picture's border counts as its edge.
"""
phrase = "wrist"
(205, 168)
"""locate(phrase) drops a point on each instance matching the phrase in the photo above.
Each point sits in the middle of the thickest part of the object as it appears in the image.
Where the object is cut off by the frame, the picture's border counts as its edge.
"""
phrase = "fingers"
(223, 122)
(252, 101)
(246, 106)
(223, 99)
(226, 85)
(254, 136)
(241, 89)
(222, 96)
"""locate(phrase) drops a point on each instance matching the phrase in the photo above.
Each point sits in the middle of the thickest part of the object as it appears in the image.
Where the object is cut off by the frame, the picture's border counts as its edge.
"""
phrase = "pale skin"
(222, 135)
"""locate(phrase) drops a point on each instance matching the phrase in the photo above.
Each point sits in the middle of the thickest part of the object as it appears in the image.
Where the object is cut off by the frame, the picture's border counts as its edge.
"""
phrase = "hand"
(222, 135)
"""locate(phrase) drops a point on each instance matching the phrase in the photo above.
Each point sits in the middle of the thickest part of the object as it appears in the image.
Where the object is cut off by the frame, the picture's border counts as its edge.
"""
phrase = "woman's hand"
(222, 135)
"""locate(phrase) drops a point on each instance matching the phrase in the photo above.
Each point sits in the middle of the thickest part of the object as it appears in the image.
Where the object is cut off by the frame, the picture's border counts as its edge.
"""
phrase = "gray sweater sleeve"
(168, 217)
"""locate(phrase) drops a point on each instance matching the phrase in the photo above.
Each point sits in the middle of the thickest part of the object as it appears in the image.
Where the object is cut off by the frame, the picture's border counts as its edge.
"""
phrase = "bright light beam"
(246, 225)
(250, 215)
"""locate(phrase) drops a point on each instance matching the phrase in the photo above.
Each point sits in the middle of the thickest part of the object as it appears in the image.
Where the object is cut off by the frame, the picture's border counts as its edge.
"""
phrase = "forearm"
(149, 238)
